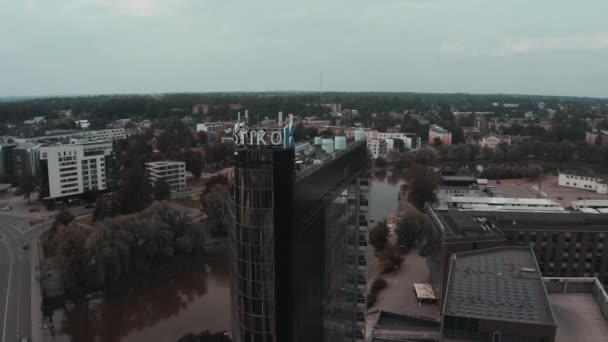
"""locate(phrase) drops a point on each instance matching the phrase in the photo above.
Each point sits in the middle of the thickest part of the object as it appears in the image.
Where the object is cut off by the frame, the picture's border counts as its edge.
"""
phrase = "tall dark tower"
(300, 231)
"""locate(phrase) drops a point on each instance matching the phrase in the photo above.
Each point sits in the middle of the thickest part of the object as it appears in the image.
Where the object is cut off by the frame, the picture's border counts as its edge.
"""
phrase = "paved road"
(15, 278)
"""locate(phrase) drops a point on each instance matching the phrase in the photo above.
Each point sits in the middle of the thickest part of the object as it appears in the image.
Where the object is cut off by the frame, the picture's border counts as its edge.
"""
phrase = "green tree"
(135, 192)
(378, 236)
(161, 190)
(410, 229)
(421, 185)
(195, 164)
(27, 185)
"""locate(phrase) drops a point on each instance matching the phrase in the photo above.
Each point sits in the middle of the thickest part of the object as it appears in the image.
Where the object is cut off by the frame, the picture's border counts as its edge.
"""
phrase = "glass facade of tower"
(298, 247)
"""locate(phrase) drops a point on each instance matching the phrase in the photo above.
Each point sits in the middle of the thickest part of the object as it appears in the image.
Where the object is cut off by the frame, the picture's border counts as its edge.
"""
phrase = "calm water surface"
(171, 308)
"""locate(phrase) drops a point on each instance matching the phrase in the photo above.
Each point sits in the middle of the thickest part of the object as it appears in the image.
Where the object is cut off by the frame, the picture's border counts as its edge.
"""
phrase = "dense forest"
(108, 107)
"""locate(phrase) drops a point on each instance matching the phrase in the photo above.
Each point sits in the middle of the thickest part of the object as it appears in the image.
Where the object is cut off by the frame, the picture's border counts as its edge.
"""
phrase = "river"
(199, 300)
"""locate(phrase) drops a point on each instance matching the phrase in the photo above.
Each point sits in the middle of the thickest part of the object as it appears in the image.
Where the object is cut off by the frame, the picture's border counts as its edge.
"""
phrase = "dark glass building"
(298, 242)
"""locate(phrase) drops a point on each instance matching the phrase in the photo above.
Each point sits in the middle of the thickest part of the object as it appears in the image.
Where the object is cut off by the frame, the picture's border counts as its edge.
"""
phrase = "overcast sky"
(60, 47)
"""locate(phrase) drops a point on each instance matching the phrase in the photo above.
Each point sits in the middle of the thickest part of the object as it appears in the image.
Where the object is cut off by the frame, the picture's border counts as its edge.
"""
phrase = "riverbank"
(159, 309)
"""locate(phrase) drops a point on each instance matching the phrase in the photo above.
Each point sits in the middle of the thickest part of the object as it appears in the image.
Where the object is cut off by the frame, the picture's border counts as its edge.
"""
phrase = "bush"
(389, 261)
(378, 285)
(371, 299)
(378, 236)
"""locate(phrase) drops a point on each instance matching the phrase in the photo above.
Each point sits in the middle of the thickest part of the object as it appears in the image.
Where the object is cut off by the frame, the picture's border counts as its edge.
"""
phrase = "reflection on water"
(196, 301)
(384, 195)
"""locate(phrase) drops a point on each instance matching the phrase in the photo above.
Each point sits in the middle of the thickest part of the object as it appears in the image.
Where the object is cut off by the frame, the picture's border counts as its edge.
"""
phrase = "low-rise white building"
(584, 181)
(501, 204)
(377, 147)
(73, 169)
(103, 135)
(172, 172)
(410, 140)
(493, 140)
(210, 127)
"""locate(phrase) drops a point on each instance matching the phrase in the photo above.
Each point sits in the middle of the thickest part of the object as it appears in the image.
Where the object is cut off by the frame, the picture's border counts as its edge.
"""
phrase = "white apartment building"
(410, 140)
(103, 135)
(210, 127)
(377, 147)
(493, 140)
(73, 169)
(582, 181)
(172, 172)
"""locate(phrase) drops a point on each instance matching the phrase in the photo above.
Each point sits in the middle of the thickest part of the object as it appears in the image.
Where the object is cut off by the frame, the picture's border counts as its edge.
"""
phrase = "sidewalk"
(37, 316)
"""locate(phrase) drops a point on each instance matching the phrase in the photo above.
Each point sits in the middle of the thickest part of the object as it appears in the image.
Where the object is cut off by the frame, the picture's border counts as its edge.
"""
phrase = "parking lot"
(549, 189)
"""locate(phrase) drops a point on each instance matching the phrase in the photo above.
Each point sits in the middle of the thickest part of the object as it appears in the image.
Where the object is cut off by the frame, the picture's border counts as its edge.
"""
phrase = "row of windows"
(69, 191)
(581, 178)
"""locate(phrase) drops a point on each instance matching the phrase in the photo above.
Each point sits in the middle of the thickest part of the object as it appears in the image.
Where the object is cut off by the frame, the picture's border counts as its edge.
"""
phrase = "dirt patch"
(548, 189)
(85, 219)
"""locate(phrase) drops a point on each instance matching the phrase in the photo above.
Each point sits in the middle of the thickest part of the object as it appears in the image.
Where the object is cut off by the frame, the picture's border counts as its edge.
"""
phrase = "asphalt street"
(15, 278)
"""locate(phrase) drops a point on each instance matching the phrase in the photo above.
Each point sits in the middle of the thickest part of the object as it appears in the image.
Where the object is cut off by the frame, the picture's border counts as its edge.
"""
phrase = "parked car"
(25, 246)
(6, 208)
(33, 210)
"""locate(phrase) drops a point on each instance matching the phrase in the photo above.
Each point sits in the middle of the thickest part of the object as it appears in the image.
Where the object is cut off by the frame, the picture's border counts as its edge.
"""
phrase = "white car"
(5, 208)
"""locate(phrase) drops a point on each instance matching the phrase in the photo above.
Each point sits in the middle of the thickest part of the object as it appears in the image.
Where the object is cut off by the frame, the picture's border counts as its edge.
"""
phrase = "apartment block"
(377, 147)
(70, 170)
(172, 172)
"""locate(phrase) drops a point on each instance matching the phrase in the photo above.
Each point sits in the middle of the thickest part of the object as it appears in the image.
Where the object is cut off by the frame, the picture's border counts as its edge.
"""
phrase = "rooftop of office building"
(457, 224)
(312, 155)
(502, 283)
(568, 221)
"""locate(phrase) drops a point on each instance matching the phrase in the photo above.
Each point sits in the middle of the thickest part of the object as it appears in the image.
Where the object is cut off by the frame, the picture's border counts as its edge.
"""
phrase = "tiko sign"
(273, 138)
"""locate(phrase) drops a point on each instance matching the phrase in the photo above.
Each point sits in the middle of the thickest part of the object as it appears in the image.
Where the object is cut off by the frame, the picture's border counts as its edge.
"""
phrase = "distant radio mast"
(321, 88)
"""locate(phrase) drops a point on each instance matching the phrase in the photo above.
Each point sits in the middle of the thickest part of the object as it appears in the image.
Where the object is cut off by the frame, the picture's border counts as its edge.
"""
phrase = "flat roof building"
(172, 172)
(565, 244)
(437, 132)
(497, 294)
(500, 204)
(71, 170)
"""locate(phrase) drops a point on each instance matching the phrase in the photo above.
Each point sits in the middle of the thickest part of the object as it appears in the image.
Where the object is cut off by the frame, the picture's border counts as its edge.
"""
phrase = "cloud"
(529, 45)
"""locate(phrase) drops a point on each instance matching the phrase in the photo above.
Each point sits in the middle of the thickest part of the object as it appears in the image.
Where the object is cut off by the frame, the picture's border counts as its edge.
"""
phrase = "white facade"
(376, 147)
(493, 140)
(410, 141)
(501, 204)
(210, 127)
(84, 124)
(447, 190)
(586, 182)
(172, 172)
(104, 134)
(75, 169)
